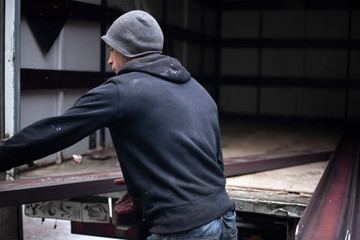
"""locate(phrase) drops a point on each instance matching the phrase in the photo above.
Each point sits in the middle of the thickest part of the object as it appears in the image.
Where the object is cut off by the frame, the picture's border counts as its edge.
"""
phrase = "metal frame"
(102, 13)
(12, 67)
(11, 223)
(2, 81)
(25, 191)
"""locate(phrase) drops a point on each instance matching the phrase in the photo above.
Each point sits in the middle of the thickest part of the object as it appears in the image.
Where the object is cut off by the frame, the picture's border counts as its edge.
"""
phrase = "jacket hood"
(164, 67)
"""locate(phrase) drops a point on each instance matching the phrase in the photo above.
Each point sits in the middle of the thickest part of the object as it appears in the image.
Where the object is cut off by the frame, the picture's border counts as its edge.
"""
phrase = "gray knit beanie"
(134, 34)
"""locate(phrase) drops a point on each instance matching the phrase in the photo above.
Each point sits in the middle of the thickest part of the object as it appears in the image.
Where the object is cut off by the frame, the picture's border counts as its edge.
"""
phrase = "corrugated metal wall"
(254, 61)
(77, 48)
(291, 62)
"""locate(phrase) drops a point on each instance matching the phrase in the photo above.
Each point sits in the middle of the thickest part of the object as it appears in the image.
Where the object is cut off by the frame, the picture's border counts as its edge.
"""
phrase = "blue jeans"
(223, 228)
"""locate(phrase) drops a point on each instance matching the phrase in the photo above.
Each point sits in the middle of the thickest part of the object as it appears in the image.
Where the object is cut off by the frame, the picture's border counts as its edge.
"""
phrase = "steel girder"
(81, 185)
(333, 211)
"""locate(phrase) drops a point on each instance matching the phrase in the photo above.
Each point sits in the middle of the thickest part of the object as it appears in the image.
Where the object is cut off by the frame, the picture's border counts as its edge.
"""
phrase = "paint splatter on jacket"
(164, 127)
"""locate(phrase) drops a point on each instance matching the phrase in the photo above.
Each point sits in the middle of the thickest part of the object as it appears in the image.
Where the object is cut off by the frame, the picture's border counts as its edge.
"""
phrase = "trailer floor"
(239, 139)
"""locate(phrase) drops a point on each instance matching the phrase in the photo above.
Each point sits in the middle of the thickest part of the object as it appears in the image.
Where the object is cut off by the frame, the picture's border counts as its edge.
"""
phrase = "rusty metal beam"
(51, 188)
(333, 212)
(72, 186)
(246, 165)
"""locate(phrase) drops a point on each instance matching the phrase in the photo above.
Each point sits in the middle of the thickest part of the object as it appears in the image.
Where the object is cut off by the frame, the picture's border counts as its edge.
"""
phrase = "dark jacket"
(164, 127)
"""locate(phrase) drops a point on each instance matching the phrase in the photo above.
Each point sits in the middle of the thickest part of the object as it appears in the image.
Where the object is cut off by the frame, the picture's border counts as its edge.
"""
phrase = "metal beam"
(2, 39)
(10, 217)
(281, 4)
(283, 43)
(51, 188)
(12, 67)
(333, 212)
(240, 166)
(59, 79)
(70, 9)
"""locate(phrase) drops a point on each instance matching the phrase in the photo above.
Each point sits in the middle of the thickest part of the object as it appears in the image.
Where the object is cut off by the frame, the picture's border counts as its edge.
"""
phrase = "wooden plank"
(281, 192)
(299, 179)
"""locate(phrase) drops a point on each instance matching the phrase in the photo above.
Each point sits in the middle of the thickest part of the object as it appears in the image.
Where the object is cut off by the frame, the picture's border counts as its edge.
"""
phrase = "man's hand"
(119, 181)
(124, 205)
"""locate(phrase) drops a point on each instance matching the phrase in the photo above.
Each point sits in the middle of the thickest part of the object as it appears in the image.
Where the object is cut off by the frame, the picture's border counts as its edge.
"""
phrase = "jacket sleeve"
(94, 110)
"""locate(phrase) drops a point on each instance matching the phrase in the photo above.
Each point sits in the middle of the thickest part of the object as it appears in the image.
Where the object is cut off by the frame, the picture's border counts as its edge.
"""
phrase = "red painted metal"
(333, 212)
(240, 166)
(93, 229)
(81, 185)
(107, 230)
(51, 188)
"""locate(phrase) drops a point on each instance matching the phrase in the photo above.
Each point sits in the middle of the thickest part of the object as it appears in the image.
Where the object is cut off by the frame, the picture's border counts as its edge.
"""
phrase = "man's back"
(168, 142)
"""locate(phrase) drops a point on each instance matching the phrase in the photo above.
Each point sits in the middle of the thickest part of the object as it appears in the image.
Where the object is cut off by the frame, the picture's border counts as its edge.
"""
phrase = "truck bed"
(283, 192)
(244, 139)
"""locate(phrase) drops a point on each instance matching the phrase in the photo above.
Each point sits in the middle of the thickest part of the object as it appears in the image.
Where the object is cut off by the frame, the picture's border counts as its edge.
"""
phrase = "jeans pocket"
(209, 231)
(229, 219)
(230, 214)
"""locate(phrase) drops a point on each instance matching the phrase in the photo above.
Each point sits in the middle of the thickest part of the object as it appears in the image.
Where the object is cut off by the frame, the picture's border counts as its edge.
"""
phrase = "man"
(164, 127)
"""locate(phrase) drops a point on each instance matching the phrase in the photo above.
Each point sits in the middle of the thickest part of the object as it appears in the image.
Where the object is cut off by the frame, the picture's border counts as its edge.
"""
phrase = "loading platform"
(272, 172)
